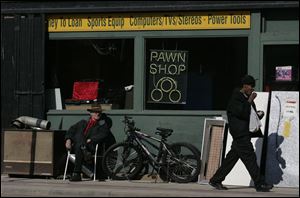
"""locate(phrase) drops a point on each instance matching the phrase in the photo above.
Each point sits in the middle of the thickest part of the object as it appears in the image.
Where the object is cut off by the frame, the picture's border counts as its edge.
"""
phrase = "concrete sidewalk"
(22, 187)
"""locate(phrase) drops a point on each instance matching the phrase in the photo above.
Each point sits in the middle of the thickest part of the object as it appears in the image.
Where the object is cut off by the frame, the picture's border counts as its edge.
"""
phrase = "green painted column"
(138, 91)
(254, 66)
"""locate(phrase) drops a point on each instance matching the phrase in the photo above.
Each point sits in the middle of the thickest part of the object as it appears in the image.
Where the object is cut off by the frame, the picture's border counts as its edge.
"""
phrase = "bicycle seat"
(164, 132)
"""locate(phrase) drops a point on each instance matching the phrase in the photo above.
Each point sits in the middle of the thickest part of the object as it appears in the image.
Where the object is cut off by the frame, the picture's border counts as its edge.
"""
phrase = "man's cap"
(95, 108)
(248, 80)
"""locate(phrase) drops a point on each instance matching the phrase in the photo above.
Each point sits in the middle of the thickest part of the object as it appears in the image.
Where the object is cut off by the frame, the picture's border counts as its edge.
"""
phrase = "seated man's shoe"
(101, 179)
(218, 186)
(75, 177)
(263, 187)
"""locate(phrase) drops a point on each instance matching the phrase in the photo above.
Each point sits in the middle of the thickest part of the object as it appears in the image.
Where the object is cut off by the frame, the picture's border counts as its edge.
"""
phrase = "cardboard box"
(105, 107)
(33, 152)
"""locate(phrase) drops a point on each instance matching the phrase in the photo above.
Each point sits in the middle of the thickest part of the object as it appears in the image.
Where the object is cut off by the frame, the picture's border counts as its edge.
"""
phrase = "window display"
(98, 65)
(281, 68)
(193, 73)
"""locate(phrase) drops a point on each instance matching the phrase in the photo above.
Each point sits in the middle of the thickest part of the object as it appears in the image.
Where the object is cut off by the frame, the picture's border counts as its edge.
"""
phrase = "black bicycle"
(177, 162)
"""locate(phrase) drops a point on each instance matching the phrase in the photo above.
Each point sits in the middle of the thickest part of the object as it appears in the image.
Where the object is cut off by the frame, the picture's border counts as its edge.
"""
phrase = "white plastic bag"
(254, 123)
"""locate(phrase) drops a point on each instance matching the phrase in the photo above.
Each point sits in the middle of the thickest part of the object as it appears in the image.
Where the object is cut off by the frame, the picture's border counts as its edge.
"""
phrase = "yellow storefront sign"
(149, 21)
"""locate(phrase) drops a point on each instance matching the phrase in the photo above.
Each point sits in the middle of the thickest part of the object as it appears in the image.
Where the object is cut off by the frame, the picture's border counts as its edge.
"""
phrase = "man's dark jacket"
(238, 113)
(100, 133)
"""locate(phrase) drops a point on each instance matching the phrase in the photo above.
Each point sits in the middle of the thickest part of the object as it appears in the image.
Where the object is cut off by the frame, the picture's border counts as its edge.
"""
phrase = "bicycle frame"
(132, 157)
(138, 137)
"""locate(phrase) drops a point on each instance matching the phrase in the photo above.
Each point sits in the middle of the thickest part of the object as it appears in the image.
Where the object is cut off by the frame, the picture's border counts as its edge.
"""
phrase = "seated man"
(83, 137)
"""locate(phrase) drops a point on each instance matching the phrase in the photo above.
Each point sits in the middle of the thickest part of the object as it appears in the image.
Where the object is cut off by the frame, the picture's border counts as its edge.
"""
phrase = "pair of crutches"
(84, 169)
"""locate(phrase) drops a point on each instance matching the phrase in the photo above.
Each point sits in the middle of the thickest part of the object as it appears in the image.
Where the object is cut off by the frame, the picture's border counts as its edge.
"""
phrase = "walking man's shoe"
(75, 177)
(218, 186)
(263, 187)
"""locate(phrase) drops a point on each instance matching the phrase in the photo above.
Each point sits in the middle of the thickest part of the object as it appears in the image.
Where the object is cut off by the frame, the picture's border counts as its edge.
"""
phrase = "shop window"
(106, 62)
(193, 73)
(281, 68)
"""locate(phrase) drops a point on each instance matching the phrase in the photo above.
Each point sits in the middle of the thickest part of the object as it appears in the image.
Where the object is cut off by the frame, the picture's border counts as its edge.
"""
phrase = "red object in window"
(85, 90)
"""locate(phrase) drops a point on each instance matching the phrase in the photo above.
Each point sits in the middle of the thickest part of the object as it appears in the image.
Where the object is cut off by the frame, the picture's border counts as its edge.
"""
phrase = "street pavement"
(49, 187)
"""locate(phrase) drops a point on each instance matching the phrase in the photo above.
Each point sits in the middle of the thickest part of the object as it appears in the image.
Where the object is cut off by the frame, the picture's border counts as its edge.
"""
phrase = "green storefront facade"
(217, 58)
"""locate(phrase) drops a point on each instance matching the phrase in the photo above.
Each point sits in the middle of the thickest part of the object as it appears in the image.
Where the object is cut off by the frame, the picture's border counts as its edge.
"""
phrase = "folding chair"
(84, 169)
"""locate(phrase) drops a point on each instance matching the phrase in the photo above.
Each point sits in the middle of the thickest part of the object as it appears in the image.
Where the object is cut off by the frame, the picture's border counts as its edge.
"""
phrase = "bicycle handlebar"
(128, 121)
(127, 117)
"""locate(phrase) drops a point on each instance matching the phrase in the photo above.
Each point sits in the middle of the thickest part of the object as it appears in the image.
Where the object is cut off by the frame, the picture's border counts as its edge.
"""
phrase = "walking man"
(238, 113)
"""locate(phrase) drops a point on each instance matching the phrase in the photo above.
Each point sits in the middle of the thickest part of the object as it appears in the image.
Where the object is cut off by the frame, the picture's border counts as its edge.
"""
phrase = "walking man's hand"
(252, 97)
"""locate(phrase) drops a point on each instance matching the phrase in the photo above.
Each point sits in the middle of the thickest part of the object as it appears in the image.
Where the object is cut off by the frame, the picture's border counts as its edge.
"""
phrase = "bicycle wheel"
(183, 165)
(122, 161)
